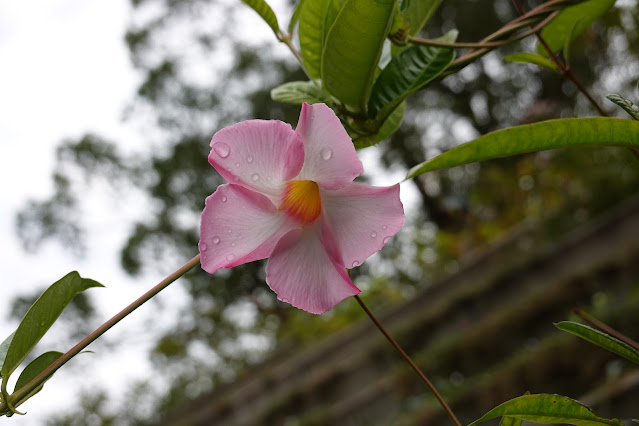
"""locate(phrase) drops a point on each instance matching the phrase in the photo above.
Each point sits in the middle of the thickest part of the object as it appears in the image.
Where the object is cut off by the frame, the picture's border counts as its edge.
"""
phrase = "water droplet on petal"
(223, 198)
(249, 158)
(373, 234)
(232, 244)
(203, 247)
(355, 263)
(255, 177)
(222, 149)
(387, 239)
(216, 240)
(237, 164)
(384, 227)
(326, 153)
(230, 257)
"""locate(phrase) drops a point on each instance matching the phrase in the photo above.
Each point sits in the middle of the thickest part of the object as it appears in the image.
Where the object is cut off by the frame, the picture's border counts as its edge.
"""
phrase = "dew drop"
(355, 263)
(223, 198)
(384, 227)
(249, 158)
(216, 240)
(222, 149)
(203, 247)
(42, 324)
(237, 164)
(326, 153)
(373, 234)
(230, 257)
(255, 177)
(387, 239)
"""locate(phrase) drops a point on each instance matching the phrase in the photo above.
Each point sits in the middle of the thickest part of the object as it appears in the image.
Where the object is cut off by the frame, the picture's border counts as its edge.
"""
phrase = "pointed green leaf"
(545, 408)
(353, 48)
(531, 58)
(600, 338)
(4, 347)
(41, 316)
(312, 20)
(510, 421)
(297, 92)
(540, 136)
(264, 10)
(626, 104)
(36, 367)
(417, 14)
(580, 16)
(295, 16)
(409, 71)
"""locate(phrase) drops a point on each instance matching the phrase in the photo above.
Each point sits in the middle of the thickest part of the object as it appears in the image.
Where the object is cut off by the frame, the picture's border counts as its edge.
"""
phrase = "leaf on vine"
(264, 10)
(297, 92)
(540, 136)
(531, 58)
(390, 126)
(625, 104)
(35, 367)
(311, 31)
(600, 338)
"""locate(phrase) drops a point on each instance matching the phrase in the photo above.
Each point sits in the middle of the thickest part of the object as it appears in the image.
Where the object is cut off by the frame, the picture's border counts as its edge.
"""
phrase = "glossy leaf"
(417, 14)
(264, 10)
(409, 71)
(550, 409)
(311, 32)
(531, 58)
(36, 367)
(625, 104)
(510, 421)
(540, 136)
(41, 316)
(4, 347)
(297, 92)
(353, 48)
(600, 338)
(579, 16)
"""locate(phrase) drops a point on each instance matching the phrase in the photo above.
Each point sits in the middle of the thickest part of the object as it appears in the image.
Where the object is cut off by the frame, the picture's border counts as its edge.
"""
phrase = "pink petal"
(330, 158)
(362, 218)
(239, 226)
(258, 154)
(304, 272)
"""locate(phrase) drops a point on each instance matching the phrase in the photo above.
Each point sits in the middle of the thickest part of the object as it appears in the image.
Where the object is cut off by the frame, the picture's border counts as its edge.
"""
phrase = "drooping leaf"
(4, 347)
(417, 13)
(264, 10)
(531, 58)
(297, 92)
(36, 367)
(407, 72)
(625, 104)
(600, 338)
(540, 136)
(551, 409)
(311, 32)
(390, 126)
(353, 48)
(510, 421)
(579, 16)
(41, 317)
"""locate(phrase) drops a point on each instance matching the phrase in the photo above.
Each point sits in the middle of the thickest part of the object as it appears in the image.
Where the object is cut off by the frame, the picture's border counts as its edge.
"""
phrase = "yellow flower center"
(302, 201)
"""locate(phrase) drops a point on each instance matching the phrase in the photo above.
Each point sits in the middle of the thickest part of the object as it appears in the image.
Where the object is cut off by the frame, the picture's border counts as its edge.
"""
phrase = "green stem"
(410, 361)
(19, 397)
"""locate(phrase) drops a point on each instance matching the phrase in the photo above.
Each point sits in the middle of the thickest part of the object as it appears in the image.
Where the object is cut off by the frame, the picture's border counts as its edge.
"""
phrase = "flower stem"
(21, 395)
(410, 361)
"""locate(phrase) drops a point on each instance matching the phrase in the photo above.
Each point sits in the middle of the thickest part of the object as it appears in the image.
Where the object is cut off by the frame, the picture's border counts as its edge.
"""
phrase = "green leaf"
(297, 92)
(510, 421)
(531, 58)
(390, 126)
(264, 10)
(4, 347)
(545, 408)
(626, 104)
(580, 16)
(41, 316)
(417, 14)
(312, 21)
(36, 367)
(353, 48)
(409, 71)
(600, 338)
(537, 137)
(295, 17)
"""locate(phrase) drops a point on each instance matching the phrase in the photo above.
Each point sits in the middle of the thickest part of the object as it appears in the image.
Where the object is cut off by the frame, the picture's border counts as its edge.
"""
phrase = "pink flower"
(291, 198)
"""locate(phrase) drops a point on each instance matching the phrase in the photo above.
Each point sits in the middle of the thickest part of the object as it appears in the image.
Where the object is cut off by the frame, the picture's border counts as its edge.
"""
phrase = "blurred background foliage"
(200, 70)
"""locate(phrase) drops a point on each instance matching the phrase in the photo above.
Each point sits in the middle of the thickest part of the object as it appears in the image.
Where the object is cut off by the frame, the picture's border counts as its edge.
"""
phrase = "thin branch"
(606, 328)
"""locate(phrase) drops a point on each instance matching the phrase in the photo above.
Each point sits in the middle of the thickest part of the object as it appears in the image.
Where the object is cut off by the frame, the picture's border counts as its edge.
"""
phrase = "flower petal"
(330, 158)
(305, 272)
(239, 226)
(258, 154)
(362, 218)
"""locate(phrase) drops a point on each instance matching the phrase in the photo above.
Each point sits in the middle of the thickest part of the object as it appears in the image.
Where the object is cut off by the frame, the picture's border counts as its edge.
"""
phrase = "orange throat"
(302, 201)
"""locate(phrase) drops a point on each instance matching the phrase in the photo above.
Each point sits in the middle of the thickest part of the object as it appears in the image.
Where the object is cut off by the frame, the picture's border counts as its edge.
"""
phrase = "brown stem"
(410, 361)
(606, 328)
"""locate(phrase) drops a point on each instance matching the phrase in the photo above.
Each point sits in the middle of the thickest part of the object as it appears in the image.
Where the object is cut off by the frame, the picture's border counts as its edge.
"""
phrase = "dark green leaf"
(265, 11)
(407, 72)
(312, 21)
(600, 338)
(353, 48)
(41, 316)
(580, 16)
(550, 134)
(297, 92)
(626, 104)
(531, 58)
(36, 367)
(545, 408)
(4, 347)
(417, 14)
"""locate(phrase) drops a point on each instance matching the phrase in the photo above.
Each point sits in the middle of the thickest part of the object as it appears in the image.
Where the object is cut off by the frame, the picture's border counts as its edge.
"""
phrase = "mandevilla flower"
(291, 198)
